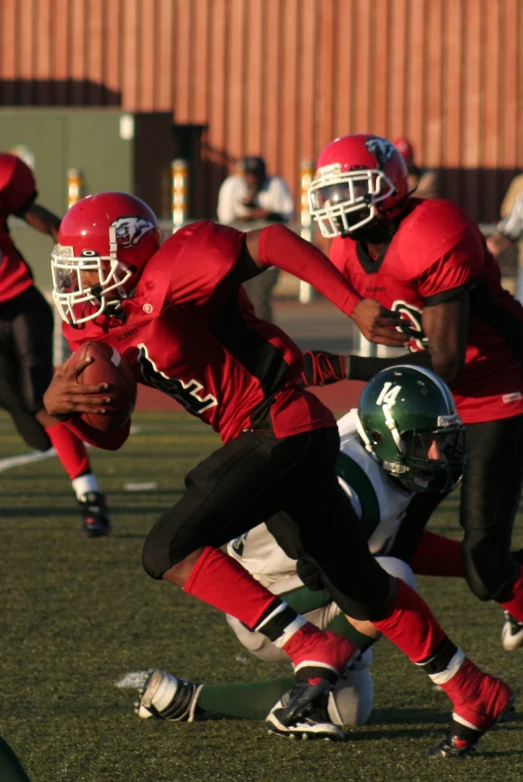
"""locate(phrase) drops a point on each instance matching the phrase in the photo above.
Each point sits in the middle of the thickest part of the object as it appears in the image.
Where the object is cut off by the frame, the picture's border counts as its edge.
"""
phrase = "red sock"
(437, 556)
(219, 580)
(478, 698)
(515, 603)
(411, 625)
(319, 654)
(70, 450)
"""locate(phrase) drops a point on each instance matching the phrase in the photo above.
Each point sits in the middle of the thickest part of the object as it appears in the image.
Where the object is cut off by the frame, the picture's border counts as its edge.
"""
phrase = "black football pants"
(292, 482)
(26, 362)
(489, 501)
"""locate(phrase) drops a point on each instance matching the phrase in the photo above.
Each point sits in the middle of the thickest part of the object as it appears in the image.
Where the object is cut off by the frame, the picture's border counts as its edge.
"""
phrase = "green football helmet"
(408, 422)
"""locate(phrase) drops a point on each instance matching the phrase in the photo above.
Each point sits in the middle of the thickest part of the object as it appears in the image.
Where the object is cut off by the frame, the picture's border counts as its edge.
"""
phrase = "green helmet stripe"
(352, 473)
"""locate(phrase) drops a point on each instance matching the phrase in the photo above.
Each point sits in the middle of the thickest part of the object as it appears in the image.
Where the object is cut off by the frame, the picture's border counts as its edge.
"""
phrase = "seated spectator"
(425, 183)
(249, 200)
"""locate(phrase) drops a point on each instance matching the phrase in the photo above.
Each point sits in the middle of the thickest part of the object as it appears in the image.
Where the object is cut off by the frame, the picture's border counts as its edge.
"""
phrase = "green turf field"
(80, 614)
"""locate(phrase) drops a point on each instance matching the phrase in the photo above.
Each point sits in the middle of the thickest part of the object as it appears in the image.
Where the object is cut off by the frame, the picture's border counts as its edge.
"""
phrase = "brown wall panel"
(307, 77)
(398, 69)
(201, 63)
(517, 65)
(281, 77)
(509, 84)
(381, 52)
(254, 68)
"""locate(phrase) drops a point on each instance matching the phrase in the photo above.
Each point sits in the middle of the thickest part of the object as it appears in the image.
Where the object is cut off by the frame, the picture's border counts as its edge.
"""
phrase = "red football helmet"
(358, 178)
(113, 234)
(405, 148)
(11, 168)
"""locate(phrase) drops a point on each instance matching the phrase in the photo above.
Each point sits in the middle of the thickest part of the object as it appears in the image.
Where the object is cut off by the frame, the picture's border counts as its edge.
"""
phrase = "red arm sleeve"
(278, 246)
(108, 441)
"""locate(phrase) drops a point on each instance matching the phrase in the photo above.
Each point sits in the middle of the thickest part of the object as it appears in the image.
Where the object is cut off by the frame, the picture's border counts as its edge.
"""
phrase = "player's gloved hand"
(378, 324)
(65, 396)
(309, 574)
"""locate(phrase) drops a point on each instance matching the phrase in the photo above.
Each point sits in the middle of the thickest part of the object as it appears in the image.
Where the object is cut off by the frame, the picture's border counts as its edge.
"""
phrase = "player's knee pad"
(399, 569)
(485, 582)
(481, 589)
(155, 560)
(159, 552)
(30, 430)
(352, 699)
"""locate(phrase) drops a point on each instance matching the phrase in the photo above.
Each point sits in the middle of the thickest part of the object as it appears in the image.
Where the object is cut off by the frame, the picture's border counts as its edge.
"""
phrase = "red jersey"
(437, 252)
(190, 331)
(17, 193)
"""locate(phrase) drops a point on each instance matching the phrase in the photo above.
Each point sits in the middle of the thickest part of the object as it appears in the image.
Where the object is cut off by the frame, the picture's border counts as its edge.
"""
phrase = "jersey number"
(187, 393)
(388, 395)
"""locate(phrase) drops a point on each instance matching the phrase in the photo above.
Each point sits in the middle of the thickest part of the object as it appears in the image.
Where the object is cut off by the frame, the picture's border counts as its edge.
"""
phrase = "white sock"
(84, 484)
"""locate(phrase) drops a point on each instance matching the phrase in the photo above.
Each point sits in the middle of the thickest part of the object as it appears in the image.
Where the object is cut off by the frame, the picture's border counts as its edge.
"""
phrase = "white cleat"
(167, 697)
(512, 633)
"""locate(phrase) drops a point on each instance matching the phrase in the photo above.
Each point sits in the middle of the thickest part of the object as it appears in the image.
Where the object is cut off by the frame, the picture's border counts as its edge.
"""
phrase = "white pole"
(306, 175)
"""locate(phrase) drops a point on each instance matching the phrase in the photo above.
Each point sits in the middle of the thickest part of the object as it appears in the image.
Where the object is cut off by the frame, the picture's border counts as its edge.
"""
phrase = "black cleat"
(95, 515)
(451, 747)
(464, 745)
(303, 714)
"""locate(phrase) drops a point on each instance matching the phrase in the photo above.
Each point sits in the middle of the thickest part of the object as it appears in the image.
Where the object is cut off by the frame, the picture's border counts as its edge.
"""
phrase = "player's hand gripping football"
(66, 397)
(378, 324)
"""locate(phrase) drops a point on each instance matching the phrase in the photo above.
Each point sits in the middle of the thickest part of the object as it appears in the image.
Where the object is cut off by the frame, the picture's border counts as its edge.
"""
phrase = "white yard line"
(37, 456)
(26, 458)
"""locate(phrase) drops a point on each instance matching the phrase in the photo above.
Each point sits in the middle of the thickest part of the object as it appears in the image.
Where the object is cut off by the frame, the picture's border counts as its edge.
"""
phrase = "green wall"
(85, 139)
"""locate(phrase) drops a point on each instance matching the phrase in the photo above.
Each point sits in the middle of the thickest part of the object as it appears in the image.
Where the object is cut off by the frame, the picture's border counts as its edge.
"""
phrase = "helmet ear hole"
(376, 438)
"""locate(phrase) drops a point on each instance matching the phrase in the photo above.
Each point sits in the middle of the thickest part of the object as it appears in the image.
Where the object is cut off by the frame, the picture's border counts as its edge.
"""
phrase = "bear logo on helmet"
(382, 148)
(131, 230)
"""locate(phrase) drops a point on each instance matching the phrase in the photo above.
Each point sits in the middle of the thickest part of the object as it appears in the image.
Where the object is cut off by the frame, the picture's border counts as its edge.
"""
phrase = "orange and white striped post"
(75, 186)
(180, 192)
(306, 176)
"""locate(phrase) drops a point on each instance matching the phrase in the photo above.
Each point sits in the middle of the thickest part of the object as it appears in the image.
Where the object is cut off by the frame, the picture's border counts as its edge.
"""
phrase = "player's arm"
(42, 219)
(108, 441)
(278, 246)
(321, 368)
(445, 279)
(66, 400)
(445, 326)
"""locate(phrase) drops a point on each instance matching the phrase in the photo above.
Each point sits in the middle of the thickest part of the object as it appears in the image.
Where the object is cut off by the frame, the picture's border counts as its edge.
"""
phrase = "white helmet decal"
(130, 230)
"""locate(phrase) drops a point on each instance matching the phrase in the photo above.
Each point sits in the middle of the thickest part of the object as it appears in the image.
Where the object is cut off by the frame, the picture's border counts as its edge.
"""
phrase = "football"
(108, 366)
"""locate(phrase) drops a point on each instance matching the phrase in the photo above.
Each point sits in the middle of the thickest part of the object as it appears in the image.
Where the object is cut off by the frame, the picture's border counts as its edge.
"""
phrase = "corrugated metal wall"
(283, 77)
